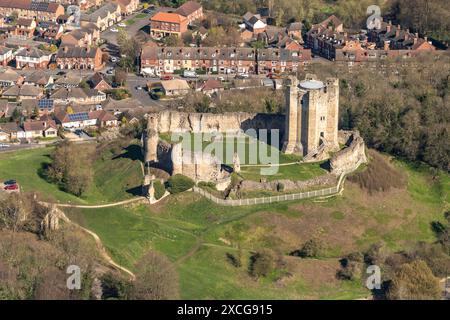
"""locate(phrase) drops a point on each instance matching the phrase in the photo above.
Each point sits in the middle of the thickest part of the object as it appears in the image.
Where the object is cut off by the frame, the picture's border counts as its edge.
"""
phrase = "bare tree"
(156, 278)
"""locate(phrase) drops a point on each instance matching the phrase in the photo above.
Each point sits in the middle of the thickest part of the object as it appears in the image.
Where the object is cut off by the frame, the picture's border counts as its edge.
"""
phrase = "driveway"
(135, 22)
(142, 95)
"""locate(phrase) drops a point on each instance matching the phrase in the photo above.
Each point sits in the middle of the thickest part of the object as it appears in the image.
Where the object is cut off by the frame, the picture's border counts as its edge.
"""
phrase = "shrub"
(261, 264)
(310, 249)
(414, 281)
(160, 190)
(280, 187)
(179, 183)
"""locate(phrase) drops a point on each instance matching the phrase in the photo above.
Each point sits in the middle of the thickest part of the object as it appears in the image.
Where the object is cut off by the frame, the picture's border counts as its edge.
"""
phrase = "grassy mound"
(379, 175)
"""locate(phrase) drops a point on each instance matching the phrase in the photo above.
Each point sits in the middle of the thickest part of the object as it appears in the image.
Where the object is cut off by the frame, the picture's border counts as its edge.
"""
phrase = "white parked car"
(123, 25)
(113, 59)
(114, 30)
(4, 145)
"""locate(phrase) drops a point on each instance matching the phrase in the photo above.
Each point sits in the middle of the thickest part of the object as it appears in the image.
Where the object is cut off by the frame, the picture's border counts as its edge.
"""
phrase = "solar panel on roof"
(39, 6)
(79, 116)
(45, 104)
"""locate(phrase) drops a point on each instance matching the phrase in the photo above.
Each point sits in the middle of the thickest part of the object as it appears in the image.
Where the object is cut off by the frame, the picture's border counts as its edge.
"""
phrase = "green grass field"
(195, 234)
(114, 180)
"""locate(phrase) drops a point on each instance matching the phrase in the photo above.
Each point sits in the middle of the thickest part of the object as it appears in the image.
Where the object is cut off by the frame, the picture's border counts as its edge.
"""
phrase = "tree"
(156, 278)
(414, 281)
(173, 41)
(71, 167)
(120, 77)
(310, 249)
(16, 114)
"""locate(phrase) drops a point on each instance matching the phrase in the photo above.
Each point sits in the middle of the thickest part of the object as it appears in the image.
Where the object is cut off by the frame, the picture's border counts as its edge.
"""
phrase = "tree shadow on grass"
(133, 152)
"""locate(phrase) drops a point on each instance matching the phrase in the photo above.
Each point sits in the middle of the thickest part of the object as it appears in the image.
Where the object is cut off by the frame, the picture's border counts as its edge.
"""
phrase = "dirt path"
(115, 204)
(101, 248)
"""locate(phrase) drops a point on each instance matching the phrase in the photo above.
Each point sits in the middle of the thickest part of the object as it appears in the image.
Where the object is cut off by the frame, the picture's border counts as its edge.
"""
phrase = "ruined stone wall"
(349, 158)
(173, 121)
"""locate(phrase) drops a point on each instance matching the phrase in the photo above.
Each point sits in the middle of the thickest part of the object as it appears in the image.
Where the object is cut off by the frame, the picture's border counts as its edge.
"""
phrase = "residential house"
(84, 37)
(123, 106)
(99, 118)
(6, 55)
(175, 87)
(191, 10)
(9, 77)
(22, 92)
(4, 107)
(164, 24)
(69, 80)
(390, 37)
(98, 82)
(11, 131)
(39, 78)
(31, 9)
(44, 106)
(254, 23)
(127, 7)
(40, 129)
(274, 60)
(158, 60)
(24, 29)
(211, 86)
(102, 18)
(79, 58)
(50, 31)
(32, 58)
(77, 95)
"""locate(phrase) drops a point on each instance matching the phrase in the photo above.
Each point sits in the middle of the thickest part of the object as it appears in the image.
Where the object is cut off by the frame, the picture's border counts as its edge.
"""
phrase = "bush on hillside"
(179, 183)
(160, 190)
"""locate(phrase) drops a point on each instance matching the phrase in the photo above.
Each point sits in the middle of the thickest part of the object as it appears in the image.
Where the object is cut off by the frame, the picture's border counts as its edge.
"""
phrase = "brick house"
(84, 37)
(159, 60)
(78, 95)
(98, 82)
(32, 58)
(44, 11)
(127, 7)
(79, 58)
(191, 10)
(164, 24)
(24, 29)
(5, 55)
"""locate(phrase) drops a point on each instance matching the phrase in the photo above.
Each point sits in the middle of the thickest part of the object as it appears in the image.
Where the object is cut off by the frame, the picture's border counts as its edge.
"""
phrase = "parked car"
(123, 25)
(110, 71)
(242, 76)
(4, 145)
(10, 182)
(11, 187)
(113, 59)
(189, 74)
(166, 77)
(221, 78)
(138, 87)
(114, 30)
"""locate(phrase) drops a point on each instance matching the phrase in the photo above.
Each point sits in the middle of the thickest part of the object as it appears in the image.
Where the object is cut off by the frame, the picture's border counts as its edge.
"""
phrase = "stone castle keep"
(310, 129)
(312, 116)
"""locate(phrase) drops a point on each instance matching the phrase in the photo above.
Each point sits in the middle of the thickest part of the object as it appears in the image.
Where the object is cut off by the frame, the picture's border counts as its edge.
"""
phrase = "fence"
(274, 199)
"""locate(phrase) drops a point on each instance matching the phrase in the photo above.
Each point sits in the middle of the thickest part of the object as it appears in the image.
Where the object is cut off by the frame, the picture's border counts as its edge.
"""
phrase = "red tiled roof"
(168, 17)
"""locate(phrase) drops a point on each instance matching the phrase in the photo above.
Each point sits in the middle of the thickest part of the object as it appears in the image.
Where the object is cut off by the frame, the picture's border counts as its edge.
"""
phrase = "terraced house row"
(159, 60)
(31, 9)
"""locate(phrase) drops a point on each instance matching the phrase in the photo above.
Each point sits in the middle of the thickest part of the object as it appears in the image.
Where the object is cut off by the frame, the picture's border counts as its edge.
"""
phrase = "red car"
(166, 77)
(12, 187)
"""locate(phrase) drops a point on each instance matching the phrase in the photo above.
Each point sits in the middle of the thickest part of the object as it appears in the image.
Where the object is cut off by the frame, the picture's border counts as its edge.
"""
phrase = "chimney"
(386, 45)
